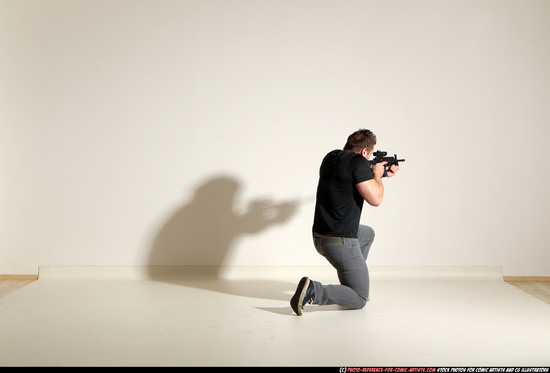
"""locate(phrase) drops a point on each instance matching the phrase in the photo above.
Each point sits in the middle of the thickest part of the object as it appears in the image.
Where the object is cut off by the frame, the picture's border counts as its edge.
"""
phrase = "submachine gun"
(380, 156)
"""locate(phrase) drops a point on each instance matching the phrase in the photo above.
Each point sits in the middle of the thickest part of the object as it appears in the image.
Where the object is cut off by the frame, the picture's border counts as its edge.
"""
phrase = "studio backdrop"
(190, 132)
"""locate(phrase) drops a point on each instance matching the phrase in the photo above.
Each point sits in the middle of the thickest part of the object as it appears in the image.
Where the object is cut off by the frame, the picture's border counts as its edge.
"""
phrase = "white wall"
(138, 132)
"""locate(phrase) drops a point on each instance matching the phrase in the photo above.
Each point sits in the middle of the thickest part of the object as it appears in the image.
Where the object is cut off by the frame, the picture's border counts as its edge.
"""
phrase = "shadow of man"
(198, 237)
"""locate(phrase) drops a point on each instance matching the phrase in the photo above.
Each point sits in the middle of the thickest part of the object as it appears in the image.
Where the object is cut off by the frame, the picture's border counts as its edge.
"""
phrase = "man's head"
(361, 141)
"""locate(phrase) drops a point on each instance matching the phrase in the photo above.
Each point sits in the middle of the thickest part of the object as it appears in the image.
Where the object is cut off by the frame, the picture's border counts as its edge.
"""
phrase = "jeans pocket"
(332, 251)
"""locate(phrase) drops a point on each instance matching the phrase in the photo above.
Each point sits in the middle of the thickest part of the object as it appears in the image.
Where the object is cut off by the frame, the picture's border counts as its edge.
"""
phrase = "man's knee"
(366, 233)
(362, 303)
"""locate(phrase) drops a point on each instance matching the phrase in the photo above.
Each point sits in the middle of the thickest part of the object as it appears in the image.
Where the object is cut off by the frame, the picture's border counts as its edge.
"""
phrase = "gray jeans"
(348, 256)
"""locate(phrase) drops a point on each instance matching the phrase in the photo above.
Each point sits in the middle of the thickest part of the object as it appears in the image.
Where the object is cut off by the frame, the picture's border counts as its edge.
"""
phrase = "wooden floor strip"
(526, 278)
(18, 277)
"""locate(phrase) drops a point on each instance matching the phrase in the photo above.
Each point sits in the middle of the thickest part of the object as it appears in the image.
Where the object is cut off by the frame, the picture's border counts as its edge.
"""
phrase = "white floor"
(416, 317)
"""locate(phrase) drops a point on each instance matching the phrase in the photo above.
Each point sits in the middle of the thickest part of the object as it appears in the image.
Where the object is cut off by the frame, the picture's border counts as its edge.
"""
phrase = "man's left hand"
(391, 171)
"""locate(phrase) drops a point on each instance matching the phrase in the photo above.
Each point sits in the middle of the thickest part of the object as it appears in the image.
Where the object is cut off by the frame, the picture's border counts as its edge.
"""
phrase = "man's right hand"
(378, 170)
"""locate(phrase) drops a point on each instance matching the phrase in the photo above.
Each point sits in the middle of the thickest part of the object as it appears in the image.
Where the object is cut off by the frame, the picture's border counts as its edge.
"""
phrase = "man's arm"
(372, 190)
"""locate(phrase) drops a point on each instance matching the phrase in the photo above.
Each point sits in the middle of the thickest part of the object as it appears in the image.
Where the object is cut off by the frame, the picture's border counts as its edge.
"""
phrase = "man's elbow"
(371, 191)
(375, 202)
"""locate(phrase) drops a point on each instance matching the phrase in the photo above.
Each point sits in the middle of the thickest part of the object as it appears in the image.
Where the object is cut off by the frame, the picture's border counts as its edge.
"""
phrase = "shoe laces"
(310, 295)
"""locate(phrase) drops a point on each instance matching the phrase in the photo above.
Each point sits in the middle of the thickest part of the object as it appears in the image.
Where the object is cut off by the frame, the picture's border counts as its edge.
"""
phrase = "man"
(346, 179)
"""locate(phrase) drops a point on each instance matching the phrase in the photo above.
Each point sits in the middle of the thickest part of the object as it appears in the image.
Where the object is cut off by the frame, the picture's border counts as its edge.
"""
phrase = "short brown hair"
(360, 140)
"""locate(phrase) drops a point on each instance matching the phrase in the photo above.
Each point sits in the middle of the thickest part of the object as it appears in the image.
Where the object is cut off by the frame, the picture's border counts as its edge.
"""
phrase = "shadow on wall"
(201, 234)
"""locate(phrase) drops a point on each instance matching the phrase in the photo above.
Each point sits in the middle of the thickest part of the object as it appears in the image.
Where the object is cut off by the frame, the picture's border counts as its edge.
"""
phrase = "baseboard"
(231, 272)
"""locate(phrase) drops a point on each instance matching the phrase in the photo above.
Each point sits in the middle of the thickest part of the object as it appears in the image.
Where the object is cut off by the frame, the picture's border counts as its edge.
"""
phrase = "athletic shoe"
(305, 294)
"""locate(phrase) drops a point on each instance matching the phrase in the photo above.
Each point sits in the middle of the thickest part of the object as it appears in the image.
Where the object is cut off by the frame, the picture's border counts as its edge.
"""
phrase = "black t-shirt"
(339, 203)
